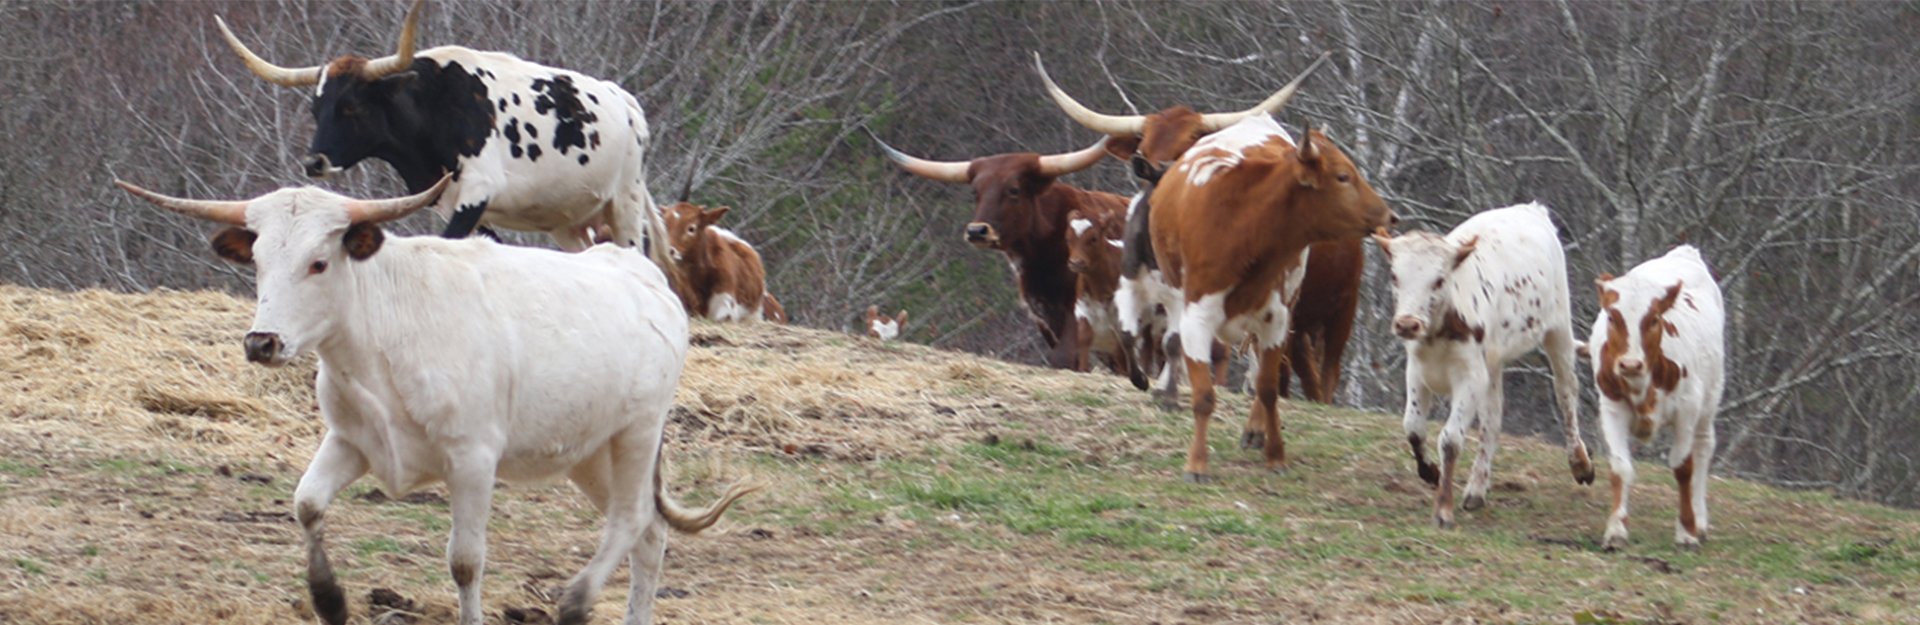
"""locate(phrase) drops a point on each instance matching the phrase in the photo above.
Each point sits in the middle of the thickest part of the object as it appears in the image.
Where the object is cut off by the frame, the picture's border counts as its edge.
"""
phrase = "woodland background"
(1779, 137)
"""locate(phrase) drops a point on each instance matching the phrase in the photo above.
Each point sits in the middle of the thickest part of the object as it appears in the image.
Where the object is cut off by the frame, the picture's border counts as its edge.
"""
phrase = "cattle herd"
(464, 360)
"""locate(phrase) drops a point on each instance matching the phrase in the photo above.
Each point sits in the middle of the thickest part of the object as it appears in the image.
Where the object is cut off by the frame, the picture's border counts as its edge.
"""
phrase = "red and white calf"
(718, 274)
(1093, 253)
(1467, 304)
(1659, 361)
(883, 327)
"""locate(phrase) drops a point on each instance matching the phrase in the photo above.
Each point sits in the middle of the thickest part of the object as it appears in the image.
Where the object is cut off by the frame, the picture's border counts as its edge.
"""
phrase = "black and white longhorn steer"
(531, 147)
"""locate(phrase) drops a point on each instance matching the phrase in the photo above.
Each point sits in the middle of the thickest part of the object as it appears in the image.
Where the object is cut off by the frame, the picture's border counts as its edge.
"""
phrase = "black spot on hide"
(533, 152)
(571, 117)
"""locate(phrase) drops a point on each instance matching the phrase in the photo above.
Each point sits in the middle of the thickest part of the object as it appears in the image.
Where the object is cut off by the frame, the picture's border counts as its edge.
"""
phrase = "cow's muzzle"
(1077, 265)
(1409, 328)
(1630, 368)
(982, 234)
(318, 166)
(262, 347)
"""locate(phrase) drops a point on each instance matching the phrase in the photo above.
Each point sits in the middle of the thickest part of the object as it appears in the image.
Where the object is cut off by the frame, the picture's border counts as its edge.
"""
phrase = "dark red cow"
(1020, 211)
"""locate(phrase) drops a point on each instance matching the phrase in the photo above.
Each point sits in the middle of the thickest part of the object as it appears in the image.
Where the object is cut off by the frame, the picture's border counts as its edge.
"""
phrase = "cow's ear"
(1666, 302)
(235, 245)
(1145, 170)
(398, 81)
(1123, 147)
(1466, 249)
(1309, 152)
(362, 240)
(872, 311)
(902, 321)
(712, 216)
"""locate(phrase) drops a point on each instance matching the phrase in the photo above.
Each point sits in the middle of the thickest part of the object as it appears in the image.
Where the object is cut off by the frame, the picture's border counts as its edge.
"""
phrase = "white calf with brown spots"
(1659, 361)
(1490, 291)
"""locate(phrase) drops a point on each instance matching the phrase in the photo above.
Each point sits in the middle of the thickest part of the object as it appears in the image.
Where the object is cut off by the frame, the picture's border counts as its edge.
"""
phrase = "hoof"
(1196, 478)
(1140, 380)
(1473, 502)
(1279, 469)
(1168, 404)
(1431, 473)
(1253, 440)
(1443, 522)
(1581, 467)
(1613, 543)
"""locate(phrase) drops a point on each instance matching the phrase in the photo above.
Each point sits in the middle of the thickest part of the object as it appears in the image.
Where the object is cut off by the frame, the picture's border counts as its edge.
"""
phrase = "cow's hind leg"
(1266, 407)
(630, 512)
(1566, 391)
(333, 467)
(1200, 381)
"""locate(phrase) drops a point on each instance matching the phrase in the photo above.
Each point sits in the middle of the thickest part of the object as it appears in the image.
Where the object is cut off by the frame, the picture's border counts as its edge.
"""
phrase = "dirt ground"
(145, 472)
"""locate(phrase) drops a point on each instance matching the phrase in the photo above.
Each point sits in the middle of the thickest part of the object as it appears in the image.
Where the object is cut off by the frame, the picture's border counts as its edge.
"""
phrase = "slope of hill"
(145, 470)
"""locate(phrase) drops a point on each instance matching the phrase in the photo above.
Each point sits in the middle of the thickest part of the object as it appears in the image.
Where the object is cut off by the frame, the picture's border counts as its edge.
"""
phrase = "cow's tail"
(691, 521)
(654, 240)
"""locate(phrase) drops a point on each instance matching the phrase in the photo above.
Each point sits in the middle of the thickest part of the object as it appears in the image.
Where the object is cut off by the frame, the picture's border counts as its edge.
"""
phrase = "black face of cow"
(1004, 188)
(421, 121)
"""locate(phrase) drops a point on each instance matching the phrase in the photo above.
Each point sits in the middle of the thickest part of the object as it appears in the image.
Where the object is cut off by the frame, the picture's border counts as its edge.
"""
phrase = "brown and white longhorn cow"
(1231, 218)
(1020, 211)
(883, 327)
(718, 274)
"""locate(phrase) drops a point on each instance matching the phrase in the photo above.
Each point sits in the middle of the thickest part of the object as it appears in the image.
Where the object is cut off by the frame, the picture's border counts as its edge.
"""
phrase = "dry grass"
(145, 470)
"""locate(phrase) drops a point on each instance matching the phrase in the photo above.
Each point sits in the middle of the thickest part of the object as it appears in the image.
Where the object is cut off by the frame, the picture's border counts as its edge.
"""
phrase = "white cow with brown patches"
(1659, 361)
(883, 327)
(1490, 291)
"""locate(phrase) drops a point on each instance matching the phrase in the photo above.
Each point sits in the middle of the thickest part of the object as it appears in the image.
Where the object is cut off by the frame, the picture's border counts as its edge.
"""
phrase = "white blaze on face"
(886, 329)
(1080, 226)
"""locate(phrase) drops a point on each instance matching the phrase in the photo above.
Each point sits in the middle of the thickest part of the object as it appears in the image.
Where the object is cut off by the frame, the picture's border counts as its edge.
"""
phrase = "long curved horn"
(275, 74)
(1057, 165)
(1214, 121)
(385, 65)
(359, 211)
(1116, 125)
(232, 213)
(944, 171)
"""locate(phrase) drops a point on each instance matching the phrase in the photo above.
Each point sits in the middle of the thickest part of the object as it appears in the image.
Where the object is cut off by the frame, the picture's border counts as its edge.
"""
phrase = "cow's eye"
(1013, 190)
(1439, 282)
(349, 110)
(318, 266)
(1344, 178)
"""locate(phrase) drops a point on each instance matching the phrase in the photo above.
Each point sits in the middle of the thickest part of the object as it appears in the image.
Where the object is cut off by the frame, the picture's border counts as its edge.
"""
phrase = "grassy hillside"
(145, 471)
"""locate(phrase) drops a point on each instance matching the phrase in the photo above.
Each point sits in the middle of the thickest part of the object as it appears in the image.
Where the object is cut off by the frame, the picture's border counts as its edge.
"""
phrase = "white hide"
(1698, 347)
(466, 361)
(1512, 288)
(885, 328)
(556, 194)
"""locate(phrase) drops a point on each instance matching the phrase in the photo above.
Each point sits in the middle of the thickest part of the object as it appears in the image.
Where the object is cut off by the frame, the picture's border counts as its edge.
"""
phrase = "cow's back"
(563, 144)
(500, 345)
(1514, 285)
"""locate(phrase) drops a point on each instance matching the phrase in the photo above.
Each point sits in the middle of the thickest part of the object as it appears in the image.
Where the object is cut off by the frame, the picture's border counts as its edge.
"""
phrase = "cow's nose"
(1077, 265)
(1630, 367)
(318, 166)
(262, 347)
(1393, 219)
(979, 233)
(1408, 327)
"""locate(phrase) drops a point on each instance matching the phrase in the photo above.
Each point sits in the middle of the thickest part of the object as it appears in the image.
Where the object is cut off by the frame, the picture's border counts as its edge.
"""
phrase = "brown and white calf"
(1093, 253)
(718, 274)
(1490, 291)
(1659, 361)
(885, 328)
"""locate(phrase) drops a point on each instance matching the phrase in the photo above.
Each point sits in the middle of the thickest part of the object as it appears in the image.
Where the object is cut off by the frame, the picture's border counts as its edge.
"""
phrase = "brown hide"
(1323, 318)
(710, 264)
(1097, 263)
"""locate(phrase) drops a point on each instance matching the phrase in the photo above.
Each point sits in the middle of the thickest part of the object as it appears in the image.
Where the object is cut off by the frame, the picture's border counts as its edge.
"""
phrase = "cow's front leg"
(1613, 428)
(1414, 423)
(1491, 410)
(334, 466)
(465, 218)
(470, 497)
(1453, 438)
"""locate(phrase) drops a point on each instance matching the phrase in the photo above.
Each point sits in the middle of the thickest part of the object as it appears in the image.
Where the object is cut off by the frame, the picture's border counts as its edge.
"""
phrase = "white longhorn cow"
(1466, 304)
(463, 361)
